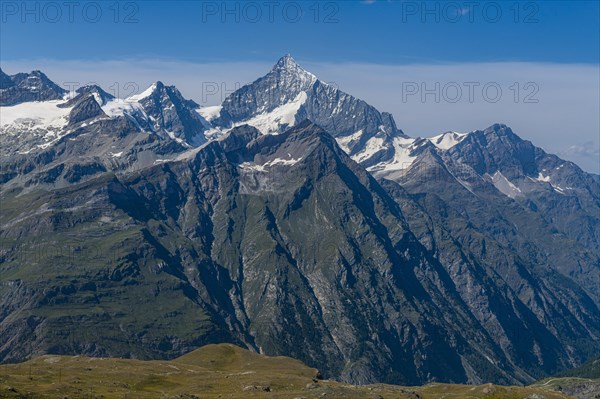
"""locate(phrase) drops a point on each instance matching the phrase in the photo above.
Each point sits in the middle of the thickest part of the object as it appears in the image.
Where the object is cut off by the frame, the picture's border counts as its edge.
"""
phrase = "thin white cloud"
(585, 154)
(564, 116)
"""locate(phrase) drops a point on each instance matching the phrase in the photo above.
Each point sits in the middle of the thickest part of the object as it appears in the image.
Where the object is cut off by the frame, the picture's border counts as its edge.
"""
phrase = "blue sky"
(371, 49)
(357, 31)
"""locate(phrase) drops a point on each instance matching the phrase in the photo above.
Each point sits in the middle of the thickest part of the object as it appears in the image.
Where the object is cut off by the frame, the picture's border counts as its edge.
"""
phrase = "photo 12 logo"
(217, 92)
(125, 12)
(471, 92)
(326, 12)
(118, 90)
(469, 11)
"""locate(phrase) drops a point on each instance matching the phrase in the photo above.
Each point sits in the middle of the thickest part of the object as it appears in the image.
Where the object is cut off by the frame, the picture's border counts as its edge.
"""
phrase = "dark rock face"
(549, 211)
(295, 249)
(85, 109)
(173, 115)
(238, 138)
(5, 81)
(100, 95)
(127, 234)
(24, 87)
(560, 192)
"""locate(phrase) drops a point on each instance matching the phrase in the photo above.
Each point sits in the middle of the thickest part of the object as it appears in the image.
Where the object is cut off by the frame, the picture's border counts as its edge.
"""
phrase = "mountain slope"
(589, 369)
(280, 242)
(582, 382)
(492, 177)
(148, 226)
(59, 142)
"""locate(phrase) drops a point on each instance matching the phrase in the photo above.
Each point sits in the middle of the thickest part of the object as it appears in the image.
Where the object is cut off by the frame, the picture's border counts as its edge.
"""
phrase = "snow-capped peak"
(286, 62)
(447, 140)
(102, 97)
(287, 65)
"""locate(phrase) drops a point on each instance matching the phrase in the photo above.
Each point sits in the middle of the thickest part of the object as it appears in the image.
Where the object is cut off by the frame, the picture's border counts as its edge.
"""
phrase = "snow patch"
(504, 185)
(284, 115)
(272, 122)
(252, 166)
(447, 140)
(263, 167)
(120, 107)
(34, 115)
(144, 94)
(542, 178)
(372, 146)
(403, 148)
(210, 113)
(281, 161)
(402, 158)
(344, 142)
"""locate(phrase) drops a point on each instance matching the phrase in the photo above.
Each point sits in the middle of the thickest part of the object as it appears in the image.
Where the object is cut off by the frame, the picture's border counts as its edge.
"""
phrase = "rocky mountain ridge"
(295, 220)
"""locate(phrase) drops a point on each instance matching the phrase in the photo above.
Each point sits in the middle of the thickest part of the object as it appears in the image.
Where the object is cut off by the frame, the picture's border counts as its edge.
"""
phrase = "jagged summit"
(289, 73)
(101, 96)
(158, 90)
(288, 63)
(289, 94)
(168, 112)
(87, 108)
(27, 87)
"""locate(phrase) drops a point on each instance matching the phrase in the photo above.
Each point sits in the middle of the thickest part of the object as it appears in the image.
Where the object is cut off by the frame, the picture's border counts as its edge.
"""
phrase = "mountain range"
(293, 219)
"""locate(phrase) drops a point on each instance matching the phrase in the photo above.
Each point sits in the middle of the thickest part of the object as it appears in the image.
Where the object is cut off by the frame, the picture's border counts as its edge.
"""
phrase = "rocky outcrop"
(25, 87)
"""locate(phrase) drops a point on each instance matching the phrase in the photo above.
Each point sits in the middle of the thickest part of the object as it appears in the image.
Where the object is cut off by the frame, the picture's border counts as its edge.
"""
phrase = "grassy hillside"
(215, 371)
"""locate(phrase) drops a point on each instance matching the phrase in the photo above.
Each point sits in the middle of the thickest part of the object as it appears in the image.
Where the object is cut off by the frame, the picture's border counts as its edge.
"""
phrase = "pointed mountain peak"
(85, 109)
(91, 89)
(500, 129)
(288, 65)
(498, 126)
(286, 62)
(40, 76)
(34, 78)
(169, 114)
(99, 94)
(158, 89)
